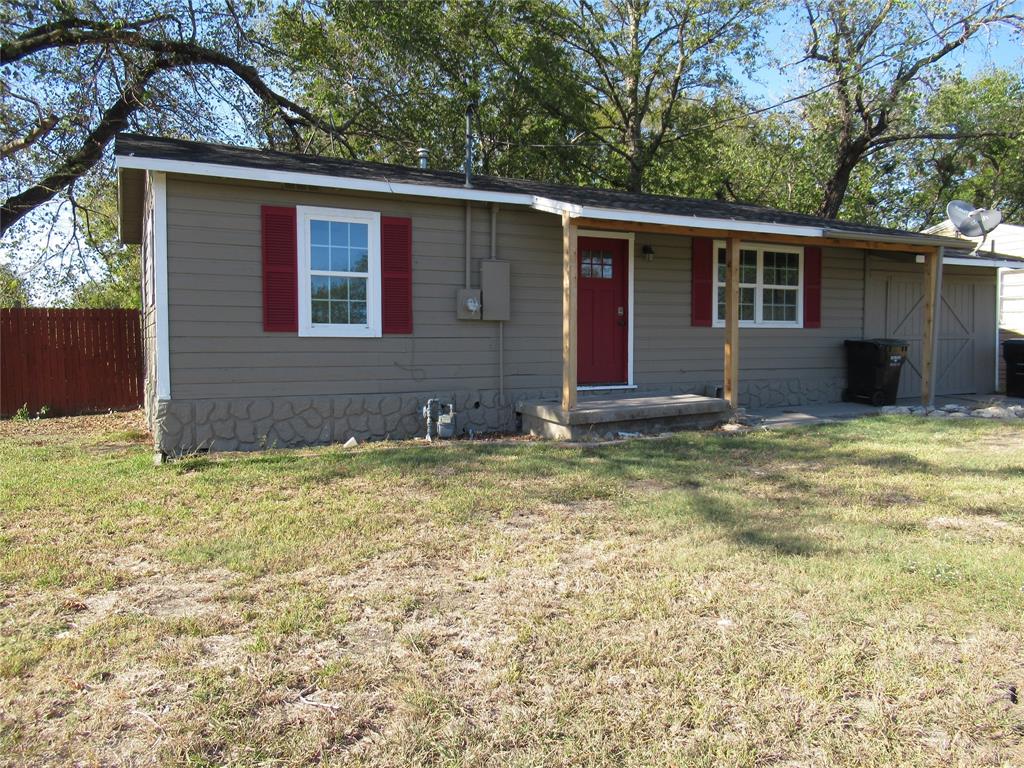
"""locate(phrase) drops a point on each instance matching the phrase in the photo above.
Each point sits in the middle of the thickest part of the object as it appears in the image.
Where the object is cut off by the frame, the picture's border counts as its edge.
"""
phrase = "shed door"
(966, 334)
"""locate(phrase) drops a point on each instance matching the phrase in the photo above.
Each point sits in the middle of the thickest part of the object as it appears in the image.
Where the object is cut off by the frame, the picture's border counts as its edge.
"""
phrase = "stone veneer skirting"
(256, 423)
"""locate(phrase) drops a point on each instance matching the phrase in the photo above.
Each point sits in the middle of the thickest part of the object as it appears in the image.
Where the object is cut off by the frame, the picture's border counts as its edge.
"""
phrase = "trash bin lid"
(889, 342)
(1013, 343)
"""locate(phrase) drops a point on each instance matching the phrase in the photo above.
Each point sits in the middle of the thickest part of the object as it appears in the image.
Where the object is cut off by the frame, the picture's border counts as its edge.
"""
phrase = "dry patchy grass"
(843, 595)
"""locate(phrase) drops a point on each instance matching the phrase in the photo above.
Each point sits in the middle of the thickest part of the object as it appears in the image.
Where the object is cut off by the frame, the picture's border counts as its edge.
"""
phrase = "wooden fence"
(70, 360)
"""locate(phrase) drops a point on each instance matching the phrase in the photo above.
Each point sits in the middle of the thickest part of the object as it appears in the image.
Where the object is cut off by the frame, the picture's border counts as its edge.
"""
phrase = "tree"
(641, 65)
(75, 74)
(113, 279)
(872, 59)
(401, 73)
(13, 289)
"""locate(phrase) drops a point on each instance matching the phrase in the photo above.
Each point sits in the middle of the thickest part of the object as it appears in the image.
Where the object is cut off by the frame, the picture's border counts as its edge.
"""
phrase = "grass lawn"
(846, 595)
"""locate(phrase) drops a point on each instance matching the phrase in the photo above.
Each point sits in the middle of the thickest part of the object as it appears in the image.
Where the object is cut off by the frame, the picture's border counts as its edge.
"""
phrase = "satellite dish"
(970, 221)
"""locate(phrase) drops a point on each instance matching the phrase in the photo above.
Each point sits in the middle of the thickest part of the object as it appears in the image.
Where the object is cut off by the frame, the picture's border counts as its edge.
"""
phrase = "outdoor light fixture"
(648, 252)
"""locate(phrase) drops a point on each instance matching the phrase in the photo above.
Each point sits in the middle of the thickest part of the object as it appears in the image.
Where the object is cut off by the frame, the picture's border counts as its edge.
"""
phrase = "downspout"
(501, 323)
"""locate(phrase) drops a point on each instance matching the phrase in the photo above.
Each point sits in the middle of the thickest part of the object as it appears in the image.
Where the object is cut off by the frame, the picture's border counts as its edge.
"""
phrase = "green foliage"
(13, 289)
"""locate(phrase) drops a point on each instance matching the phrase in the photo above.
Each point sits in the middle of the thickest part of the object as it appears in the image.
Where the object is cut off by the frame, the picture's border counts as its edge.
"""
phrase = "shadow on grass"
(791, 471)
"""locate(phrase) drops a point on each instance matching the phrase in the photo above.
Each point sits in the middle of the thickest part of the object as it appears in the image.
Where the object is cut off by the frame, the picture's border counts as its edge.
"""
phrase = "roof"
(139, 152)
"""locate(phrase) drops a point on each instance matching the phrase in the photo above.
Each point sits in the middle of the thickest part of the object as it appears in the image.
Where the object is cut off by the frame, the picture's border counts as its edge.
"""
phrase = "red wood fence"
(70, 360)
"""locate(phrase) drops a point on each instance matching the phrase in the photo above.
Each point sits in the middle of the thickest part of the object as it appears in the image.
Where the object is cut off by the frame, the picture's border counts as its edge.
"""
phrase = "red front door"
(603, 311)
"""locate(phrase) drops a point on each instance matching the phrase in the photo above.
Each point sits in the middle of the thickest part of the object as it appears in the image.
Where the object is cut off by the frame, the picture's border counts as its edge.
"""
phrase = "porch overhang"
(734, 232)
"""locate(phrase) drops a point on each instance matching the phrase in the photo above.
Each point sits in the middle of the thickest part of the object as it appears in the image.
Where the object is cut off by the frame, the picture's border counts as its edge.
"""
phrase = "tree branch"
(38, 131)
(114, 120)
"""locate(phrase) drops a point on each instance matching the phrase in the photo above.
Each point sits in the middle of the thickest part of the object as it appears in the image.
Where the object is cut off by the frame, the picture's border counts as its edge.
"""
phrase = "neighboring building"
(1005, 242)
(293, 299)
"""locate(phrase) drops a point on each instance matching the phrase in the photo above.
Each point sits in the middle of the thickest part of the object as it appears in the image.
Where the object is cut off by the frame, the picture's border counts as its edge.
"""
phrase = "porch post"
(570, 283)
(732, 319)
(931, 325)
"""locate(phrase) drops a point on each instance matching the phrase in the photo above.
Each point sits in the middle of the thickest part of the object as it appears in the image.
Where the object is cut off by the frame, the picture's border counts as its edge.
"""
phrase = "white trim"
(999, 323)
(373, 328)
(320, 180)
(990, 263)
(759, 295)
(600, 388)
(702, 222)
(630, 237)
(547, 205)
(163, 352)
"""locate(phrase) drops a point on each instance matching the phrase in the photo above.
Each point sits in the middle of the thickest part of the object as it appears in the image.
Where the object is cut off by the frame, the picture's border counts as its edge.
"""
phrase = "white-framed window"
(339, 272)
(771, 285)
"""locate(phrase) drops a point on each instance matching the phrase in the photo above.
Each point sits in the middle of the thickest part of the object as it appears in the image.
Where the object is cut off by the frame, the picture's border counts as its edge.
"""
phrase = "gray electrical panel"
(494, 285)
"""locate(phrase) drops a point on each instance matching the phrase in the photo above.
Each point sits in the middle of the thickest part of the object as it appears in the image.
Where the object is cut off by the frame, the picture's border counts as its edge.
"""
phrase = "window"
(339, 272)
(771, 285)
(596, 264)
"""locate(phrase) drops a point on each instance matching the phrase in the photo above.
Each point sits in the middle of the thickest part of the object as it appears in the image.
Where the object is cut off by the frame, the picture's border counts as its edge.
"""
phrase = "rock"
(732, 427)
(896, 410)
(993, 412)
(351, 443)
(954, 408)
(938, 414)
(958, 415)
(918, 410)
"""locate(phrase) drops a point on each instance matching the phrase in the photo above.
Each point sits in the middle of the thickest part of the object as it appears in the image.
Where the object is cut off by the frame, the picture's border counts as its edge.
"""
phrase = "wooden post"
(570, 291)
(930, 326)
(732, 319)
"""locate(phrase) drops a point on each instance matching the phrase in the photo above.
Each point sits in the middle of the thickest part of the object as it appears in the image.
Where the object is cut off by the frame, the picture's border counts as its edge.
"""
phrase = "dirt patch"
(64, 428)
(153, 591)
(978, 525)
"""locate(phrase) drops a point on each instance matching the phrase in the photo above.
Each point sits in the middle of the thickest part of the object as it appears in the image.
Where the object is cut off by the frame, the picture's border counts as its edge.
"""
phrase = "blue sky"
(999, 48)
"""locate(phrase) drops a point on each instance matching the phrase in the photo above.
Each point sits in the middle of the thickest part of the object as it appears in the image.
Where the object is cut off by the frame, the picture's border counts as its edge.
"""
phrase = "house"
(1006, 243)
(292, 299)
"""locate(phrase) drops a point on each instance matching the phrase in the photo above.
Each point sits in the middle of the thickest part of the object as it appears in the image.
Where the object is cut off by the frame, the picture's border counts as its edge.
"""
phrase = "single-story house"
(294, 299)
(1004, 244)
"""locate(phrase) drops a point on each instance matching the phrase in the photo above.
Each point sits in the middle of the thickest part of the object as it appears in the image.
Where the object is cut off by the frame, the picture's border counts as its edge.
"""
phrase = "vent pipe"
(469, 145)
(424, 155)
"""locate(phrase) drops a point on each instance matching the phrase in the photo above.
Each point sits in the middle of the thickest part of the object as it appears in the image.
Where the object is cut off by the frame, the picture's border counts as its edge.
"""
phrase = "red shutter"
(396, 274)
(280, 270)
(702, 283)
(812, 286)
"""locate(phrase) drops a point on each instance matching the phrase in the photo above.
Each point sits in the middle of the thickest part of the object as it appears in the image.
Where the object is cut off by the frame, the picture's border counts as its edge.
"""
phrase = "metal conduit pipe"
(501, 323)
(469, 243)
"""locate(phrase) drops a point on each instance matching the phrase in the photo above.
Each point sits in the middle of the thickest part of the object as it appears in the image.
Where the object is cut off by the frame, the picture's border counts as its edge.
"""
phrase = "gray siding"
(218, 348)
(669, 349)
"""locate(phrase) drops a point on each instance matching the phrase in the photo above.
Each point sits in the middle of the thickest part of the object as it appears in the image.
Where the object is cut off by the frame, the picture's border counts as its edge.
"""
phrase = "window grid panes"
(339, 272)
(769, 286)
(596, 264)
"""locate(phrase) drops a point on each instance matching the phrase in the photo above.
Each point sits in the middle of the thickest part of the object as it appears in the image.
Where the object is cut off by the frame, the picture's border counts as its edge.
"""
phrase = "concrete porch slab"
(605, 417)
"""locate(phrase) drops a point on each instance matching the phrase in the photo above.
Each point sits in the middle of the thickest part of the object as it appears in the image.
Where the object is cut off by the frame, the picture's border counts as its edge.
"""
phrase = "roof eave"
(925, 241)
(245, 173)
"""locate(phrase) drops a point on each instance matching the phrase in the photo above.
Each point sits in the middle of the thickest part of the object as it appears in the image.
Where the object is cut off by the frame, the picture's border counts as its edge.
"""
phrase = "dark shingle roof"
(137, 145)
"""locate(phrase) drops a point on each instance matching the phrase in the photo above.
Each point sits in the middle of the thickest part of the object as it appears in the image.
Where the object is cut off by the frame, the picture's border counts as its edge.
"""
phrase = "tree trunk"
(848, 157)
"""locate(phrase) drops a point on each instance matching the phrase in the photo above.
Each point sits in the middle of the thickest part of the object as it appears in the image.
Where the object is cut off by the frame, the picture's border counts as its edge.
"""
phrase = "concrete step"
(604, 418)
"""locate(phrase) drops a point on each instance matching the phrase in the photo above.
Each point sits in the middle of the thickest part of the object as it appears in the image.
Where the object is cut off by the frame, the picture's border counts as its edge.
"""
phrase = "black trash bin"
(1013, 354)
(873, 370)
